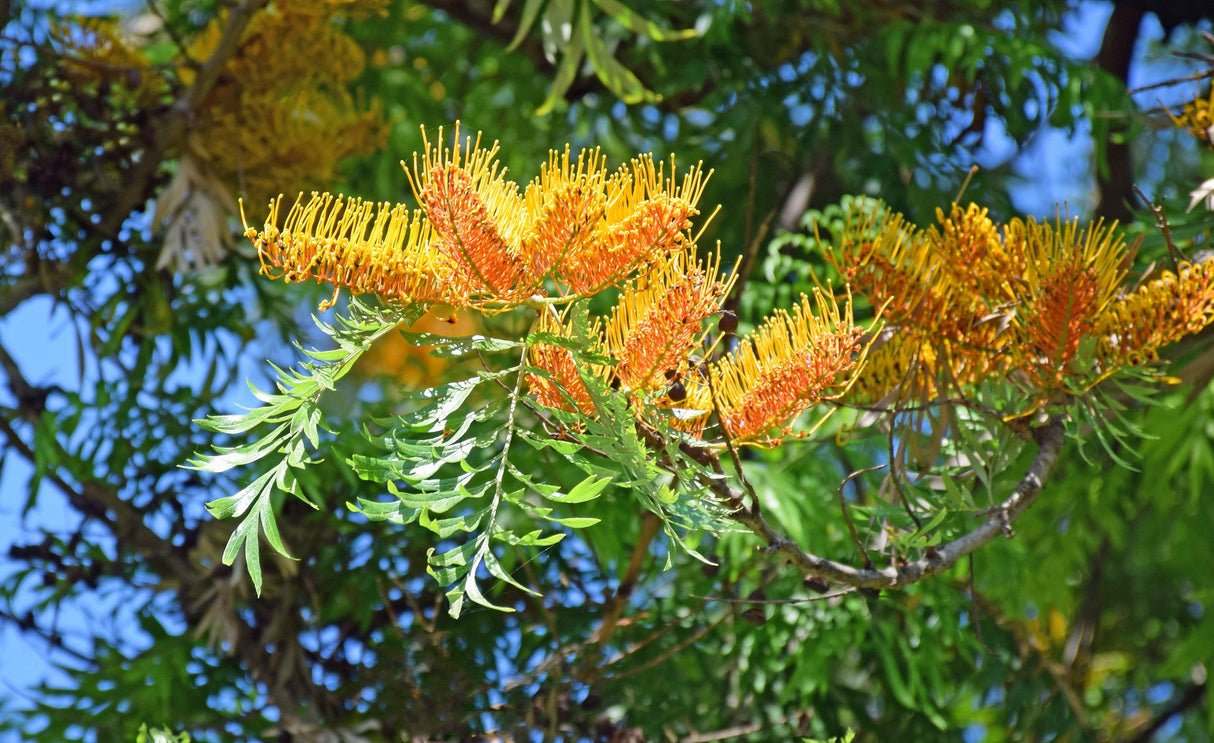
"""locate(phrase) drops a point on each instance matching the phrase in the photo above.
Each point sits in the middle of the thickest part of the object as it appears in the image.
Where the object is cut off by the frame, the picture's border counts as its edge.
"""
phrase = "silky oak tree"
(587, 459)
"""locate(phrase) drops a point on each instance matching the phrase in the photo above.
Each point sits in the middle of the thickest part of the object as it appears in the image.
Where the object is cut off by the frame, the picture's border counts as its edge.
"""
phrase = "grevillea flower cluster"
(1043, 304)
(480, 241)
(1197, 117)
(284, 119)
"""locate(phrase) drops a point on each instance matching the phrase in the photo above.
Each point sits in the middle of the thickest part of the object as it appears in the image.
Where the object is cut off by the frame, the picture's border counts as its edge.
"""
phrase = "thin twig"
(51, 637)
(803, 600)
(752, 239)
(1161, 221)
(974, 614)
(1190, 698)
(1049, 437)
(650, 524)
(851, 528)
(673, 651)
(1174, 81)
(960, 402)
(895, 478)
(733, 450)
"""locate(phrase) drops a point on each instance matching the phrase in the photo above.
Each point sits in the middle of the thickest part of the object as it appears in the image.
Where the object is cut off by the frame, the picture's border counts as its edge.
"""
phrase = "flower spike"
(644, 221)
(1158, 313)
(793, 362)
(1070, 278)
(351, 244)
(477, 217)
(565, 208)
(562, 384)
(660, 317)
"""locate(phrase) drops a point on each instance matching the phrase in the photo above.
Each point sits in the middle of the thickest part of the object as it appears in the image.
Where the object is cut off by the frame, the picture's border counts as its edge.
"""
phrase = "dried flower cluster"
(276, 119)
(479, 241)
(1042, 304)
(1197, 116)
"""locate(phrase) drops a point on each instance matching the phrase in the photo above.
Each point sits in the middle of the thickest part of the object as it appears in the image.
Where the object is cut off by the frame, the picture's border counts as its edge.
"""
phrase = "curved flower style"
(1158, 313)
(352, 244)
(793, 362)
(1035, 302)
(659, 320)
(476, 216)
(1070, 276)
(645, 219)
(479, 243)
(565, 205)
(562, 384)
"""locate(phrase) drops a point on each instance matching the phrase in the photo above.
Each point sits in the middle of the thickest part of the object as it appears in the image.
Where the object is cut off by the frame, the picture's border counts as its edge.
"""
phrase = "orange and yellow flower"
(562, 384)
(659, 319)
(354, 245)
(793, 362)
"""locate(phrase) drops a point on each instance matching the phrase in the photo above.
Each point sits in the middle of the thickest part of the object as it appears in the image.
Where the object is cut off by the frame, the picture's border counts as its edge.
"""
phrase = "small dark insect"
(816, 585)
(678, 392)
(728, 322)
(449, 320)
(671, 374)
(755, 614)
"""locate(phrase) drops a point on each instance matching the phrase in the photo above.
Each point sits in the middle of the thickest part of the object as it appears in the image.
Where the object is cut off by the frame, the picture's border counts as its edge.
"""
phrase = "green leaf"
(495, 569)
(451, 347)
(444, 528)
(614, 75)
(566, 72)
(394, 512)
(531, 10)
(585, 490)
(633, 21)
(535, 538)
(575, 522)
(499, 9)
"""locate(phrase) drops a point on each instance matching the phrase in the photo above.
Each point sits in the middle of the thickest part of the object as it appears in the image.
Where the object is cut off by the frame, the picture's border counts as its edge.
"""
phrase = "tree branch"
(1191, 697)
(1115, 182)
(650, 524)
(175, 124)
(100, 500)
(1049, 437)
(57, 277)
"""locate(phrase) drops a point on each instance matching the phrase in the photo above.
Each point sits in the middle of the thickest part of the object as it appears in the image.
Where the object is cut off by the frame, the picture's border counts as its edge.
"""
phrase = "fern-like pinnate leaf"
(447, 463)
(290, 421)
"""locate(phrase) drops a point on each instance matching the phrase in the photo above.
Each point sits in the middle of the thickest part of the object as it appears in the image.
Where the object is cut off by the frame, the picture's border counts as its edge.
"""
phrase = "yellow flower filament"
(1070, 278)
(351, 244)
(1159, 312)
(566, 207)
(564, 383)
(659, 319)
(644, 220)
(785, 368)
(476, 216)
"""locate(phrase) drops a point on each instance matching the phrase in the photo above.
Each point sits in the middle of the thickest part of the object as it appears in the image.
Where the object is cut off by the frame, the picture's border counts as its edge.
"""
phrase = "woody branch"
(1049, 437)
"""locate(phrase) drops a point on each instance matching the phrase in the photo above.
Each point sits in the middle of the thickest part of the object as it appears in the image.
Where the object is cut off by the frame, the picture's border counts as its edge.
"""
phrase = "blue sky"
(1056, 168)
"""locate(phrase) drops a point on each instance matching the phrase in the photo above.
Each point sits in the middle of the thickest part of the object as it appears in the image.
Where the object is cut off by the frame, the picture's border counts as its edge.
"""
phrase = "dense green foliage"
(1091, 623)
